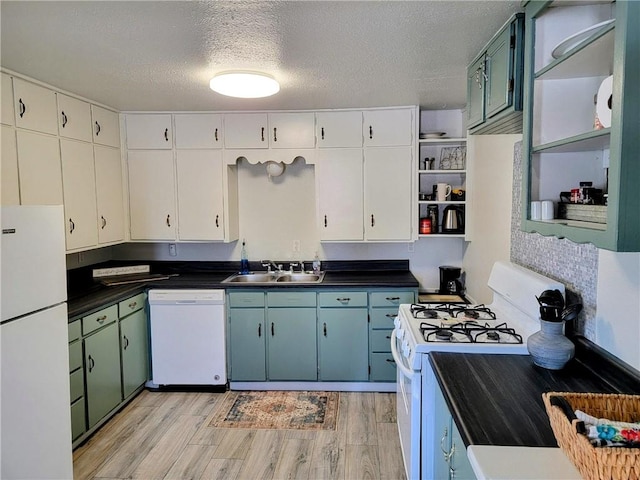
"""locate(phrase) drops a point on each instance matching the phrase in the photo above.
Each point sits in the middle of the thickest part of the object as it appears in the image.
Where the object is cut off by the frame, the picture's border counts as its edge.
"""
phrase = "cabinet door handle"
(166, 134)
(373, 220)
(390, 360)
(216, 135)
(325, 221)
(126, 342)
(22, 108)
(101, 319)
(259, 330)
(91, 363)
(168, 220)
(275, 134)
(324, 329)
(343, 299)
(217, 221)
(370, 131)
(98, 129)
(391, 315)
(104, 222)
(132, 305)
(64, 119)
(322, 133)
(392, 299)
(262, 134)
(273, 332)
(447, 455)
(72, 226)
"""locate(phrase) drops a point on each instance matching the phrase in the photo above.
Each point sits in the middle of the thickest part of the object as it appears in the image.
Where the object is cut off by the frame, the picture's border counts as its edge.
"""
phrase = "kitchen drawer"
(76, 381)
(383, 317)
(386, 299)
(380, 340)
(75, 355)
(132, 304)
(291, 299)
(383, 368)
(78, 423)
(246, 299)
(342, 299)
(99, 319)
(75, 330)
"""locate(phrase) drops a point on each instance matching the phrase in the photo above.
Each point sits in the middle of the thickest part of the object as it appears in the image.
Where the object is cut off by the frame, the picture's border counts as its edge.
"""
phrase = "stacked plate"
(432, 135)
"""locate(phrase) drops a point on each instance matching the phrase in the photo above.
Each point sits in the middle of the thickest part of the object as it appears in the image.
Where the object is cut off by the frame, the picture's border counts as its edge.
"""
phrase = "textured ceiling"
(159, 55)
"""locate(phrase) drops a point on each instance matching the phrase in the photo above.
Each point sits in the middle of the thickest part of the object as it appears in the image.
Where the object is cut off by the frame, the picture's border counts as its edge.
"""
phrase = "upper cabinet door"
(499, 66)
(149, 131)
(387, 127)
(292, 130)
(74, 118)
(7, 100)
(339, 129)
(40, 169)
(475, 92)
(246, 130)
(106, 127)
(199, 130)
(109, 194)
(35, 107)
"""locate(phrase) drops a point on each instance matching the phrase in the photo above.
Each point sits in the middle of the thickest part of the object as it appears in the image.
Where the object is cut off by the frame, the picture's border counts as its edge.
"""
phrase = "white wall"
(491, 210)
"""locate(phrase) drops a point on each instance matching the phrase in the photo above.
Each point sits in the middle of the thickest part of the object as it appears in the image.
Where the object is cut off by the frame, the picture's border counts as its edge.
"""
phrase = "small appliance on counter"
(450, 280)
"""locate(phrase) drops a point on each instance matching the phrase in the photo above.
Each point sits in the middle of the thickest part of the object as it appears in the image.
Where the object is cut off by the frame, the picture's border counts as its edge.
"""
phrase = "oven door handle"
(406, 371)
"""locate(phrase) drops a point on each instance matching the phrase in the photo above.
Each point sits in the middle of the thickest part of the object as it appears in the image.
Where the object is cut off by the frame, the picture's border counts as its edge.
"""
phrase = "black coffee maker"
(450, 281)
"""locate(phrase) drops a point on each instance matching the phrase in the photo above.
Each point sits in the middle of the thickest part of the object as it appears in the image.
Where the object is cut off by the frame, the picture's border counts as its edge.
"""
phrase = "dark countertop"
(497, 399)
(86, 295)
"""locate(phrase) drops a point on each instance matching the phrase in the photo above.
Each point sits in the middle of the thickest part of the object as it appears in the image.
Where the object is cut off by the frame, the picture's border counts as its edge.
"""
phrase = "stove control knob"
(405, 348)
(400, 333)
(396, 322)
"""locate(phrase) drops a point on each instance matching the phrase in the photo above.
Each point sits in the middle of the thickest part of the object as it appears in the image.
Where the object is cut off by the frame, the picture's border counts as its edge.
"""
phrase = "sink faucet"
(270, 263)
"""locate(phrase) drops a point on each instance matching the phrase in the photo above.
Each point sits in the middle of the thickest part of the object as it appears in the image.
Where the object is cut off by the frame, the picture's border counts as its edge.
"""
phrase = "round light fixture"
(275, 169)
(244, 84)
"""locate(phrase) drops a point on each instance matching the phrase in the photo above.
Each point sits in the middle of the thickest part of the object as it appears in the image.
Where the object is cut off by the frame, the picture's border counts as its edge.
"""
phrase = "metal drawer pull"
(97, 129)
(101, 319)
(91, 363)
(126, 342)
(391, 315)
(389, 360)
(64, 119)
(392, 299)
(104, 222)
(22, 109)
(343, 300)
(133, 304)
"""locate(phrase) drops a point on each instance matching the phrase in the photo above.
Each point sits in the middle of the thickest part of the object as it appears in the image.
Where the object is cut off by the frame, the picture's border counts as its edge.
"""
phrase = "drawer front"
(380, 340)
(342, 299)
(383, 317)
(132, 304)
(389, 298)
(291, 299)
(75, 330)
(77, 384)
(383, 368)
(78, 425)
(75, 355)
(246, 299)
(99, 319)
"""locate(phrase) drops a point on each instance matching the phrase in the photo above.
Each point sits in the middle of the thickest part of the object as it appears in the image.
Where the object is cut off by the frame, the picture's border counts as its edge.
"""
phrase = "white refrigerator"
(35, 417)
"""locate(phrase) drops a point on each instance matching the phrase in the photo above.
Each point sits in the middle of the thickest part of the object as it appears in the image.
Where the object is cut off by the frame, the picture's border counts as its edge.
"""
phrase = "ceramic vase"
(549, 348)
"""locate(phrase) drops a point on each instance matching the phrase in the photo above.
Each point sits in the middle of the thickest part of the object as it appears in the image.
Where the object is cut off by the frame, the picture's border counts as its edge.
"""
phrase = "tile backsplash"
(575, 265)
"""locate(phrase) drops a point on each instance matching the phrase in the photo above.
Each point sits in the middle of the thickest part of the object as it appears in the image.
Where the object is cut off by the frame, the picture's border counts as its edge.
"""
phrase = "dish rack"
(594, 463)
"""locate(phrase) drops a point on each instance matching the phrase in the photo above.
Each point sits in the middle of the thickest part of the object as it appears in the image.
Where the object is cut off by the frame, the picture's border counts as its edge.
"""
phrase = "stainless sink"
(265, 278)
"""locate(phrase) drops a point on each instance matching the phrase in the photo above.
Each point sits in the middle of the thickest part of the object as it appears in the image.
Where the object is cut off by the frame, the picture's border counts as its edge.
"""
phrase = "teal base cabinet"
(76, 380)
(343, 337)
(134, 345)
(247, 347)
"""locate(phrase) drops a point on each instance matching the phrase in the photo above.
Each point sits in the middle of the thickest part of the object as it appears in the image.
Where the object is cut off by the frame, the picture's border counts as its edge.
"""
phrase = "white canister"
(536, 210)
(547, 210)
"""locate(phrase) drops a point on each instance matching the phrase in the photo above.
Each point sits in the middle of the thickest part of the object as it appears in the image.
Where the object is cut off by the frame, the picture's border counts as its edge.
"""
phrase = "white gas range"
(501, 327)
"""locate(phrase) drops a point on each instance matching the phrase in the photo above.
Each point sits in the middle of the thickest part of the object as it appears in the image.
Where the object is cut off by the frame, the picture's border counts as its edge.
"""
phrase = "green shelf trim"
(594, 140)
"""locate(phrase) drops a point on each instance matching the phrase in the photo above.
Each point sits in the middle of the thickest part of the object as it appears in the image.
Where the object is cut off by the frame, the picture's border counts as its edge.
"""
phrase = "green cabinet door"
(475, 93)
(343, 344)
(292, 351)
(102, 361)
(499, 67)
(459, 462)
(135, 351)
(247, 351)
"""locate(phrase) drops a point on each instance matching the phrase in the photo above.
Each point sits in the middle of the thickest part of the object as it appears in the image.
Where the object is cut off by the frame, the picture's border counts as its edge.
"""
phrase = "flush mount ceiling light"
(244, 84)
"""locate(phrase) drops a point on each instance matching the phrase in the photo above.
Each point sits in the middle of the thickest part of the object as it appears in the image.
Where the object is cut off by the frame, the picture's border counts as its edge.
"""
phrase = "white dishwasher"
(187, 337)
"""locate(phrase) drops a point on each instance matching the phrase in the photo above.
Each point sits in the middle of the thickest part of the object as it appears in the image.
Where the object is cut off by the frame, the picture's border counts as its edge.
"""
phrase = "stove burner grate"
(470, 313)
(469, 332)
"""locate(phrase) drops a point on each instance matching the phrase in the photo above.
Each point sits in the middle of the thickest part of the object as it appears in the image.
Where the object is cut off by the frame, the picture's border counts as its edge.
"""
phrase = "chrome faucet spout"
(270, 263)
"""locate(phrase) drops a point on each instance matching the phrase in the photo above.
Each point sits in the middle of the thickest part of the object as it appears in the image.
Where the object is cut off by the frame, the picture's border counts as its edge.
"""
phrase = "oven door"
(408, 402)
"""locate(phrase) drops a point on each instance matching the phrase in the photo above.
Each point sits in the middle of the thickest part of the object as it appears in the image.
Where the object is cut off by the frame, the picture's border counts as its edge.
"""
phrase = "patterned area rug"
(278, 410)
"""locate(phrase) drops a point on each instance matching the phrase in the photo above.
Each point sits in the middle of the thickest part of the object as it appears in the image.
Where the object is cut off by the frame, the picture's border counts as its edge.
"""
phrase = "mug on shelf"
(443, 190)
(536, 210)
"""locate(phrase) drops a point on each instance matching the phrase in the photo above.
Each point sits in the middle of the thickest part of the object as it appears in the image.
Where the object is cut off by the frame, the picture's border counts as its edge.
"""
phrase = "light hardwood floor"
(166, 435)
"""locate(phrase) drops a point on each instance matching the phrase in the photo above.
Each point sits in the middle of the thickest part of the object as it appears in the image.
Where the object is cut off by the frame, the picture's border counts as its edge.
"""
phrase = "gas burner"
(469, 332)
(475, 312)
(464, 313)
(493, 336)
(443, 335)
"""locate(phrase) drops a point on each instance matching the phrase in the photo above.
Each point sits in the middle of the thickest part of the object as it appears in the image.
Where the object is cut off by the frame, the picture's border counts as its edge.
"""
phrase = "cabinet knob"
(22, 108)
(101, 319)
(98, 129)
(64, 119)
(132, 305)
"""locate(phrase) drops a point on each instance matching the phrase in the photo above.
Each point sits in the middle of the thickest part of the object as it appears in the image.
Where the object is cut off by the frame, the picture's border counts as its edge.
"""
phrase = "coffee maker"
(450, 281)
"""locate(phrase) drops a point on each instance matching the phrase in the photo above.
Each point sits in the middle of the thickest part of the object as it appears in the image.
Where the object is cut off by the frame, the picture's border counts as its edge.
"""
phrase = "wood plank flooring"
(166, 435)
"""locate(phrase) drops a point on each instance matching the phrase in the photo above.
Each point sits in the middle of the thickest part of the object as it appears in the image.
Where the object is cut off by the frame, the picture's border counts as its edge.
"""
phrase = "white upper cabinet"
(35, 107)
(10, 189)
(387, 127)
(149, 131)
(246, 130)
(198, 130)
(339, 129)
(109, 198)
(105, 126)
(7, 100)
(388, 194)
(74, 118)
(200, 195)
(40, 169)
(78, 177)
(339, 195)
(291, 130)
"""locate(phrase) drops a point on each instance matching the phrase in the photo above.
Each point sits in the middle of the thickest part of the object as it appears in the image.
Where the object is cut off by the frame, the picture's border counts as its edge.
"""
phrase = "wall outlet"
(172, 250)
(296, 245)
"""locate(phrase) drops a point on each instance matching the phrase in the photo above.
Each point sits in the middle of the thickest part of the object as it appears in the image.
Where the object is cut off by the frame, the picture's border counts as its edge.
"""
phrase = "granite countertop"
(497, 399)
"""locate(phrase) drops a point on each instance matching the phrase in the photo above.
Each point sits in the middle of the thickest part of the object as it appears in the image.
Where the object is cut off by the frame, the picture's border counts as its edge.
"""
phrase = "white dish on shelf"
(577, 38)
(430, 135)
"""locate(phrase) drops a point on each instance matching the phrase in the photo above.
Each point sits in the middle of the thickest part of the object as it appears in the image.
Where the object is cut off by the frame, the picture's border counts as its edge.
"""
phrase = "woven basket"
(596, 463)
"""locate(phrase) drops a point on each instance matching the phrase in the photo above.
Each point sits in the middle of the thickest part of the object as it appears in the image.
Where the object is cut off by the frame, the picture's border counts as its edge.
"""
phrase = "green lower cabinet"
(291, 339)
(78, 421)
(343, 344)
(102, 363)
(247, 348)
(134, 349)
